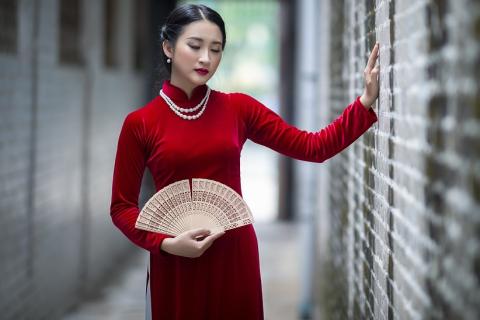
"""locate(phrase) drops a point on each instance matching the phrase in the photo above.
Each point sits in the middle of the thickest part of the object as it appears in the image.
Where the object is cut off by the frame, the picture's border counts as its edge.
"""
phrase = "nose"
(205, 56)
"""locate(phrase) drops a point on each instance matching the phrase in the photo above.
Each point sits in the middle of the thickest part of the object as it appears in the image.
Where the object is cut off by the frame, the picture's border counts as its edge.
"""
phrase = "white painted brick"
(409, 184)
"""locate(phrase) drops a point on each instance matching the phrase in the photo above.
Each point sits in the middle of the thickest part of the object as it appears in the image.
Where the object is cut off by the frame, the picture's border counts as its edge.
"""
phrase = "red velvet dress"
(223, 283)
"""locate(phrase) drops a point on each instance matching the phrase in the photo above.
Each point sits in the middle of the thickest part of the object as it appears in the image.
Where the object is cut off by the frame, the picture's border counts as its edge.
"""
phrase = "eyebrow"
(201, 40)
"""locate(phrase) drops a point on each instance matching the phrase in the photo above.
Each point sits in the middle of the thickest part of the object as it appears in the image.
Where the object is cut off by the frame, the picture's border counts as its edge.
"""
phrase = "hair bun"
(163, 32)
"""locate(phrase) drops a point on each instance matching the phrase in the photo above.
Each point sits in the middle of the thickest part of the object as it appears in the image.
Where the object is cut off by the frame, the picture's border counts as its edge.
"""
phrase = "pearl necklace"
(178, 110)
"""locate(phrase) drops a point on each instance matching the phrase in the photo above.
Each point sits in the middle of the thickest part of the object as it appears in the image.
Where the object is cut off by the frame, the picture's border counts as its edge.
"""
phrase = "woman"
(217, 277)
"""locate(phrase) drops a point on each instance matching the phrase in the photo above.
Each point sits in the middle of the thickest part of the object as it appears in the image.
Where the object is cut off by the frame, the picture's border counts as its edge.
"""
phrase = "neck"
(184, 85)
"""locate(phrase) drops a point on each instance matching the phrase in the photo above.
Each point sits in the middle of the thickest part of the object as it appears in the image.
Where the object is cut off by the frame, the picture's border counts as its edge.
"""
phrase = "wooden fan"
(212, 205)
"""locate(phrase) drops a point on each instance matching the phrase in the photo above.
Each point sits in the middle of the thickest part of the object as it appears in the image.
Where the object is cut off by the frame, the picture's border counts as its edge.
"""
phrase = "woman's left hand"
(370, 94)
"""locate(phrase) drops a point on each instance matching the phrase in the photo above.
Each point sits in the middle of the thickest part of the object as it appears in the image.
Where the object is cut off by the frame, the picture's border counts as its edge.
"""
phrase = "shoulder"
(133, 121)
(234, 96)
(136, 120)
(233, 100)
(240, 97)
(242, 101)
(247, 104)
(140, 115)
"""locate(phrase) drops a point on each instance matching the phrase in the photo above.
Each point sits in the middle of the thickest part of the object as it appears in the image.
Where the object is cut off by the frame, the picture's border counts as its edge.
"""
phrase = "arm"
(130, 165)
(127, 178)
(267, 128)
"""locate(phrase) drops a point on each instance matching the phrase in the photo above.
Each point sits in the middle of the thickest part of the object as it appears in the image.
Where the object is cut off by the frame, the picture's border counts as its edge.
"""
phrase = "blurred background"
(387, 229)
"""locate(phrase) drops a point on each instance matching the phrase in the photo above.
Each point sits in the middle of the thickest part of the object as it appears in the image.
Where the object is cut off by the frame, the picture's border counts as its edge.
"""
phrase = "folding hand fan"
(212, 205)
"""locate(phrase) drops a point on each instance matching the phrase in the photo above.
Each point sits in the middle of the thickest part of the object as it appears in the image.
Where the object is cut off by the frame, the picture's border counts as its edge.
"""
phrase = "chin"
(201, 79)
(200, 82)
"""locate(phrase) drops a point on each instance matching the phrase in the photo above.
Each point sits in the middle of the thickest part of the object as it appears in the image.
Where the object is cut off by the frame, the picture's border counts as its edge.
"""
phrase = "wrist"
(367, 103)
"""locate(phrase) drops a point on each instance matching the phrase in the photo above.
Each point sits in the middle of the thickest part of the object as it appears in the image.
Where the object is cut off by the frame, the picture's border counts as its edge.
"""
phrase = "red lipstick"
(202, 71)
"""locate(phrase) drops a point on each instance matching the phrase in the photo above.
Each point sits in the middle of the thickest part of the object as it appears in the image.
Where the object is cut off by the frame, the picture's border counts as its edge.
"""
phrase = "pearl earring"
(169, 60)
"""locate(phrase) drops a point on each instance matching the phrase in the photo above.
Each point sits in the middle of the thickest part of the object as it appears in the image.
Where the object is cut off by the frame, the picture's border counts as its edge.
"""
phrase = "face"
(198, 47)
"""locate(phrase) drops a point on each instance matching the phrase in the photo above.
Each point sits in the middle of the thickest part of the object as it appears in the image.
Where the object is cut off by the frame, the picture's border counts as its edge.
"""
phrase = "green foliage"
(250, 60)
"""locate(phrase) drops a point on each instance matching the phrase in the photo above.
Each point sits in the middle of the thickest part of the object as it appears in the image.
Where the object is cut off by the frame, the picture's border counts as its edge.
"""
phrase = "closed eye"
(196, 48)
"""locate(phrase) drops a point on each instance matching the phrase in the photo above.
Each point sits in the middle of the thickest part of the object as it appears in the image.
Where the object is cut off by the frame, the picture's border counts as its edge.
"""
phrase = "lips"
(202, 71)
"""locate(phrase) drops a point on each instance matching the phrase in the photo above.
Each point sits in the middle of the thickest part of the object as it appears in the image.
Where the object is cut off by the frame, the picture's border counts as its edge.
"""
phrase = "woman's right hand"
(186, 244)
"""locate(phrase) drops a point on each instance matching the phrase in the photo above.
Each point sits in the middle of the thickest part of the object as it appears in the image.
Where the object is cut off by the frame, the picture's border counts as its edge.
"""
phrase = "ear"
(167, 48)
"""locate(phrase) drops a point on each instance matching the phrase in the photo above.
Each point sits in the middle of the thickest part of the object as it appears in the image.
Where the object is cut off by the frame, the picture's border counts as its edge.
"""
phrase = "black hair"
(182, 16)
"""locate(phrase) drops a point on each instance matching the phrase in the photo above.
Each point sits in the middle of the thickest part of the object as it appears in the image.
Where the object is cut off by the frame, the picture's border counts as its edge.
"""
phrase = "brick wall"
(404, 209)
(59, 126)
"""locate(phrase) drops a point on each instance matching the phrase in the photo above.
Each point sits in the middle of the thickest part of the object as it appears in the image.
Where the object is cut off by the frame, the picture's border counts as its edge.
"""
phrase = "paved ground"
(279, 263)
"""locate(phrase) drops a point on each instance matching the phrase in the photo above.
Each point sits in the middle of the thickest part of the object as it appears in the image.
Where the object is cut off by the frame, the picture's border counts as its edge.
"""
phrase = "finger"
(199, 232)
(216, 235)
(373, 57)
(208, 240)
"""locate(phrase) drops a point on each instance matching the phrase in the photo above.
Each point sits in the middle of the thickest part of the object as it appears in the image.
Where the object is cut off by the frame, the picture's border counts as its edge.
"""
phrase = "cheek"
(217, 60)
(185, 54)
(216, 57)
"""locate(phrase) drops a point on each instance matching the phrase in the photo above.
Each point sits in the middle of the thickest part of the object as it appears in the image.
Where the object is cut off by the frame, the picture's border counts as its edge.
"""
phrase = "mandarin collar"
(179, 96)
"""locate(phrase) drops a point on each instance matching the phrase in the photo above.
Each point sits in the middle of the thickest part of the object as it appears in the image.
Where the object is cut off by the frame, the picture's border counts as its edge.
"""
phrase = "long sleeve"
(263, 126)
(128, 172)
